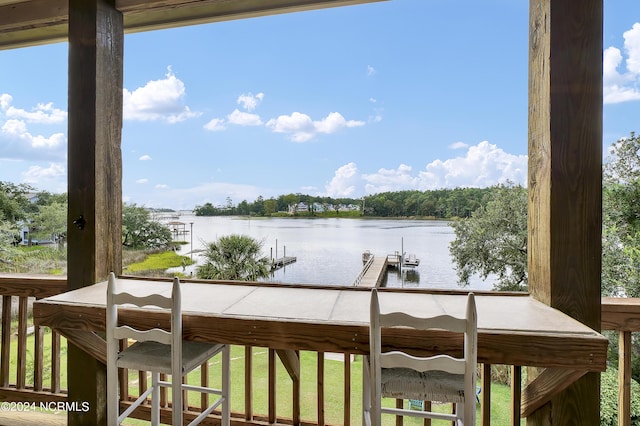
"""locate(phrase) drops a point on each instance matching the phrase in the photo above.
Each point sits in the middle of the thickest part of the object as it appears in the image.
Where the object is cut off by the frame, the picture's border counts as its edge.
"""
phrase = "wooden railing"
(290, 392)
(365, 268)
(28, 373)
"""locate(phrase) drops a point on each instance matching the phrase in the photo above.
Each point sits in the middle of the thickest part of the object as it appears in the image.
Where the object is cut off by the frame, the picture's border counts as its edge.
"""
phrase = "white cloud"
(249, 101)
(344, 182)
(632, 46)
(334, 122)
(298, 124)
(158, 100)
(302, 128)
(162, 186)
(54, 170)
(371, 70)
(52, 178)
(215, 125)
(145, 158)
(385, 180)
(483, 165)
(16, 138)
(18, 142)
(142, 181)
(622, 84)
(5, 101)
(244, 118)
(458, 145)
(42, 113)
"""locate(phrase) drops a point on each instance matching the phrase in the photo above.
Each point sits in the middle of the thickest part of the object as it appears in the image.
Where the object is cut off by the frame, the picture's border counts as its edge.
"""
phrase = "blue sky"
(343, 102)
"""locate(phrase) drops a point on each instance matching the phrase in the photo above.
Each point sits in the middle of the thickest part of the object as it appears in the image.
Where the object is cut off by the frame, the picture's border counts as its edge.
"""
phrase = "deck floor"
(30, 418)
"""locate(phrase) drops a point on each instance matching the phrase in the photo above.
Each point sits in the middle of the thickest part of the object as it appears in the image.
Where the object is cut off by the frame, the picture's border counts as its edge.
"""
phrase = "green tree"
(14, 205)
(51, 221)
(494, 240)
(621, 219)
(8, 251)
(45, 198)
(270, 206)
(139, 231)
(234, 257)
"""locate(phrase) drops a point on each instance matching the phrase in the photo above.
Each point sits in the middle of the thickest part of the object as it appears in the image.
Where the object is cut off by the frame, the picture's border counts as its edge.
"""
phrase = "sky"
(341, 102)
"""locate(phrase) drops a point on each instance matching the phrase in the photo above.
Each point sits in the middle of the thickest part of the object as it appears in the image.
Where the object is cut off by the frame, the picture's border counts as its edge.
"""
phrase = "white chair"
(159, 352)
(441, 378)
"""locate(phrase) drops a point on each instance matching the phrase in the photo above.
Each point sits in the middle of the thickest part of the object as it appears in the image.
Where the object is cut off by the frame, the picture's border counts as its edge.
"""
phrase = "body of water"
(329, 251)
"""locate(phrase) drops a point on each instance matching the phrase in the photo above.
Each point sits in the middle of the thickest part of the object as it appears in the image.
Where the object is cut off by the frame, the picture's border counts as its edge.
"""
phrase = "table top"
(512, 329)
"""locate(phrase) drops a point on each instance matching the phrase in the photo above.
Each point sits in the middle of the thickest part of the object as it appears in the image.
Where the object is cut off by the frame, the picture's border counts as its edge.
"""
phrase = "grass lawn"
(333, 382)
(334, 390)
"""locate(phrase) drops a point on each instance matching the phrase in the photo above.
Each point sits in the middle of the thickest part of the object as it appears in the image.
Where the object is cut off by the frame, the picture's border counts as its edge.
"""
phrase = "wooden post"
(565, 196)
(624, 378)
(96, 41)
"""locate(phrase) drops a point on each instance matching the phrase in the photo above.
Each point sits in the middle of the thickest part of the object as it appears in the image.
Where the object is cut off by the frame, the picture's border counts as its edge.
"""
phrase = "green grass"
(333, 382)
(158, 261)
(334, 390)
(46, 373)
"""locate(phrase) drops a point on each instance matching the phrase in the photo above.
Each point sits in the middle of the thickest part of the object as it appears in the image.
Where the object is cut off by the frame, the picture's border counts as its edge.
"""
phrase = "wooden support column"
(565, 196)
(96, 41)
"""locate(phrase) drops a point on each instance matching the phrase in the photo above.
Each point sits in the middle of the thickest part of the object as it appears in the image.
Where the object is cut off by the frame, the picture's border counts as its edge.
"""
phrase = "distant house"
(24, 230)
(298, 208)
(318, 207)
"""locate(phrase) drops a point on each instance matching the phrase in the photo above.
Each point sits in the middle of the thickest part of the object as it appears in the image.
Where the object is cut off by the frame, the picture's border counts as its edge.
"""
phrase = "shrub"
(609, 399)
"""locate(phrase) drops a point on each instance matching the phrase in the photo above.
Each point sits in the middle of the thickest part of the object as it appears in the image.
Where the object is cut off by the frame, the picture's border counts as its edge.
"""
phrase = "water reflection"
(329, 251)
(408, 277)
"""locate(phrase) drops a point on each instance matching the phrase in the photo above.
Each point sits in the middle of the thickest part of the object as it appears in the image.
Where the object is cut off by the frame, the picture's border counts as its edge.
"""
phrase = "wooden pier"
(373, 272)
(281, 262)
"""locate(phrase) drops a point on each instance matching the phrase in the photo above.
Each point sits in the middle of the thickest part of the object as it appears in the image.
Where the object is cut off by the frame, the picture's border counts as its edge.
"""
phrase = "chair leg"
(155, 399)
(367, 414)
(176, 399)
(469, 412)
(112, 397)
(226, 386)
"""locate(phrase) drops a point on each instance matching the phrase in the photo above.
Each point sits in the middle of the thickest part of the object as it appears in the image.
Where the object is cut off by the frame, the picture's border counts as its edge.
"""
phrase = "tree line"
(437, 204)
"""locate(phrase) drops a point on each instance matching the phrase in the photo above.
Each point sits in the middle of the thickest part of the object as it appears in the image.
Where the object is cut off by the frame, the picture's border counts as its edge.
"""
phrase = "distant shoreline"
(245, 217)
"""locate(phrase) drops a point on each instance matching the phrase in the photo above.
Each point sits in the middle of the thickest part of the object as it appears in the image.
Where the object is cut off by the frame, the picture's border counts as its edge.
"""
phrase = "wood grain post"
(516, 394)
(565, 195)
(96, 40)
(624, 378)
(485, 405)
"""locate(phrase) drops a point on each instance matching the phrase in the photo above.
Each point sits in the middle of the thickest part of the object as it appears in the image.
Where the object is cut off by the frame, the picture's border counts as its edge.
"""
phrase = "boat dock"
(373, 272)
(281, 262)
(375, 268)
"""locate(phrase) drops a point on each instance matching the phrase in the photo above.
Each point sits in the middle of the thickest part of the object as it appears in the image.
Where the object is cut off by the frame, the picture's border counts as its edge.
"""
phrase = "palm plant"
(234, 257)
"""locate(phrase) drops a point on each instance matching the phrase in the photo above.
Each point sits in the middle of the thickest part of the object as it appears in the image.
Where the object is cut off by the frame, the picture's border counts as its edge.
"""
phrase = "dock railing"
(365, 268)
(276, 387)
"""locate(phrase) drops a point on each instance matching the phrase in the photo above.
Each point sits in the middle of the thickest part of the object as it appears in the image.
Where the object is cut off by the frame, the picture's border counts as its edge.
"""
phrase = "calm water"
(329, 251)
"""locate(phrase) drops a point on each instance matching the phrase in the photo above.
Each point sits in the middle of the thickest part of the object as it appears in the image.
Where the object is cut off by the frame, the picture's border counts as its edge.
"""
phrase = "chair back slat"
(446, 363)
(147, 300)
(154, 335)
(444, 322)
(122, 299)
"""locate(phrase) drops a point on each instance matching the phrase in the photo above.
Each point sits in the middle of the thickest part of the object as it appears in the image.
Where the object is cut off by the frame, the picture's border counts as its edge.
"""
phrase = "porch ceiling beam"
(32, 22)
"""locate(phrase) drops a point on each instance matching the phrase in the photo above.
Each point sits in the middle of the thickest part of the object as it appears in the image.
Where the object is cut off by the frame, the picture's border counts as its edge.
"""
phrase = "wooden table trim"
(577, 348)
